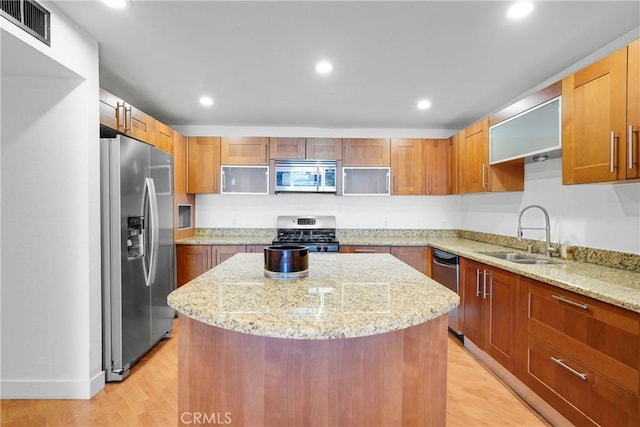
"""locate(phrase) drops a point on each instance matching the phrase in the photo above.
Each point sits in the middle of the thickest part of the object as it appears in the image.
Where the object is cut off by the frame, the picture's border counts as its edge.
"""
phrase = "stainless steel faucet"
(547, 227)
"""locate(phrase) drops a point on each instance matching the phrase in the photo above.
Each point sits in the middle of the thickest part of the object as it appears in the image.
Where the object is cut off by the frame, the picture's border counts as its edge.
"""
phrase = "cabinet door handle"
(486, 294)
(483, 177)
(124, 124)
(561, 363)
(477, 282)
(430, 184)
(570, 302)
(630, 146)
(130, 119)
(611, 140)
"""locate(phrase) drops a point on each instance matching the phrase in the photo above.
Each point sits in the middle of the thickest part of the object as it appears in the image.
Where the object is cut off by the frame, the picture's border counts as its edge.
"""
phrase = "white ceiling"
(256, 59)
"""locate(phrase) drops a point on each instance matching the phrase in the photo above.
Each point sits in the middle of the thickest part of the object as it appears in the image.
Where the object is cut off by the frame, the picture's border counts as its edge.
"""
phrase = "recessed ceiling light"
(116, 4)
(207, 101)
(423, 104)
(324, 67)
(520, 9)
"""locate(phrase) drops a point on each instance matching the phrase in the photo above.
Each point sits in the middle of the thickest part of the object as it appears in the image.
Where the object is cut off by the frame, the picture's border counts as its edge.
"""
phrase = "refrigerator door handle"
(149, 196)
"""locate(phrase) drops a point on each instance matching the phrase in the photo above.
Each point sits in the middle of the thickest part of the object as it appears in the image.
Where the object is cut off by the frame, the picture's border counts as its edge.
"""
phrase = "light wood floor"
(148, 397)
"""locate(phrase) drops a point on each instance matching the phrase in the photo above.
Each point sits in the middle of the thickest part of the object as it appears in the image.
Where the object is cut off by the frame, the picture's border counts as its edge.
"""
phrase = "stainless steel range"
(316, 233)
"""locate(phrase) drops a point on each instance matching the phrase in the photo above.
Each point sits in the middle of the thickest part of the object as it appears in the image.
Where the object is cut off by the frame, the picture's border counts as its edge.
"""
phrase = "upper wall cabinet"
(116, 114)
(164, 137)
(454, 171)
(476, 173)
(533, 132)
(436, 166)
(366, 152)
(203, 165)
(527, 127)
(407, 167)
(244, 151)
(600, 114)
(324, 148)
(305, 148)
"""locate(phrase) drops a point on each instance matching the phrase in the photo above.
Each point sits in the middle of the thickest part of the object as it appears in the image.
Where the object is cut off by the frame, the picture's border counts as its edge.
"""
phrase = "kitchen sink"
(517, 258)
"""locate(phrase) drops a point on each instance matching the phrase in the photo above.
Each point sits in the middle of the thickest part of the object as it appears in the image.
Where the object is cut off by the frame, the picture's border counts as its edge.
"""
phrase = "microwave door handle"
(318, 178)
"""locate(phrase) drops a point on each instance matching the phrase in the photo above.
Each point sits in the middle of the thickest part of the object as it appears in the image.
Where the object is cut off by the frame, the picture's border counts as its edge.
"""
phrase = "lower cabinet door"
(472, 281)
(191, 262)
(579, 393)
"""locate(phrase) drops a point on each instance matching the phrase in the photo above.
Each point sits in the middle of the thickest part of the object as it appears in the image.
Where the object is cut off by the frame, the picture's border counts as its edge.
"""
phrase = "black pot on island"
(286, 261)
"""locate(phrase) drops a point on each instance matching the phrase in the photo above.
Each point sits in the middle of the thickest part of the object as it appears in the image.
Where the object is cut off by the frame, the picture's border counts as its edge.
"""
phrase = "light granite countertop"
(615, 286)
(343, 296)
(611, 285)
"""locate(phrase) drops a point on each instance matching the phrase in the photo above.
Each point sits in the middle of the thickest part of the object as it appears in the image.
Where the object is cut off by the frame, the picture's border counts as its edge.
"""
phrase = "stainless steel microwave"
(305, 176)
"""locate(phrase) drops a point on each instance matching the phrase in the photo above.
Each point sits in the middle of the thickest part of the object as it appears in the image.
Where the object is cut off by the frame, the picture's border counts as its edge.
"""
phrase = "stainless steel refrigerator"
(137, 250)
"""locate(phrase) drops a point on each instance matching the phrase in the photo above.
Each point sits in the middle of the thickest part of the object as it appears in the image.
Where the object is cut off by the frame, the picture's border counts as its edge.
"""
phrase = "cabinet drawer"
(604, 337)
(582, 395)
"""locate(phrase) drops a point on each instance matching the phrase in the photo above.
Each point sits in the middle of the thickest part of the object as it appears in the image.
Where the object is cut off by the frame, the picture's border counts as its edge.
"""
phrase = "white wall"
(603, 216)
(253, 211)
(50, 321)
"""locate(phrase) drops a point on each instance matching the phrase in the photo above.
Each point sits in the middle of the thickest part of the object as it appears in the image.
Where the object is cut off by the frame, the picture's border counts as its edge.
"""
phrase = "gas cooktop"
(316, 233)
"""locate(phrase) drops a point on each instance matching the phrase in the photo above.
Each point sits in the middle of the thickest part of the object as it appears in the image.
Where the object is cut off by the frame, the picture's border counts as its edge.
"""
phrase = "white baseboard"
(86, 389)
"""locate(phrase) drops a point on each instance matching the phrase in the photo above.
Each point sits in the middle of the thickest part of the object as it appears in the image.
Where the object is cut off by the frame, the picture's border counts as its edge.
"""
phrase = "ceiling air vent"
(29, 16)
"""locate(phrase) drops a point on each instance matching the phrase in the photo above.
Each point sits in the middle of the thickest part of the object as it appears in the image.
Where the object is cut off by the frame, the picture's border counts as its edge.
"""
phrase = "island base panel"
(391, 379)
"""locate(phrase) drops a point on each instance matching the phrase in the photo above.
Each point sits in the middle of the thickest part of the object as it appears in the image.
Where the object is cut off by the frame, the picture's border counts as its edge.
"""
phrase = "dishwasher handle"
(441, 264)
(444, 259)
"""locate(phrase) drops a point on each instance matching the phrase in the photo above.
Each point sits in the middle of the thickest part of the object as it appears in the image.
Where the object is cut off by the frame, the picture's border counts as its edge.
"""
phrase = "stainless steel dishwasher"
(445, 270)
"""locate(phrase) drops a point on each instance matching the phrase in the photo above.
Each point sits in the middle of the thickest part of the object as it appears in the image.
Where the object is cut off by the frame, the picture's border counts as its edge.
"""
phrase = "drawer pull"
(561, 363)
(568, 301)
(365, 251)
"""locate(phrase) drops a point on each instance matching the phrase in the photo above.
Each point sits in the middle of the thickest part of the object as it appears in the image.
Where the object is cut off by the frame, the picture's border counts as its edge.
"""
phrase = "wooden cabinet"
(454, 171)
(180, 194)
(163, 137)
(194, 260)
(244, 151)
(490, 298)
(110, 110)
(191, 262)
(407, 167)
(475, 157)
(324, 148)
(116, 114)
(436, 166)
(600, 119)
(477, 175)
(221, 253)
(583, 355)
(366, 152)
(305, 148)
(633, 111)
(286, 148)
(256, 248)
(365, 249)
(203, 165)
(415, 256)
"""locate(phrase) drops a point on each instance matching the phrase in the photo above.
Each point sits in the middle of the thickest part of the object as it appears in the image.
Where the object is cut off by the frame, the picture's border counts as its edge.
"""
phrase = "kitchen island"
(361, 341)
